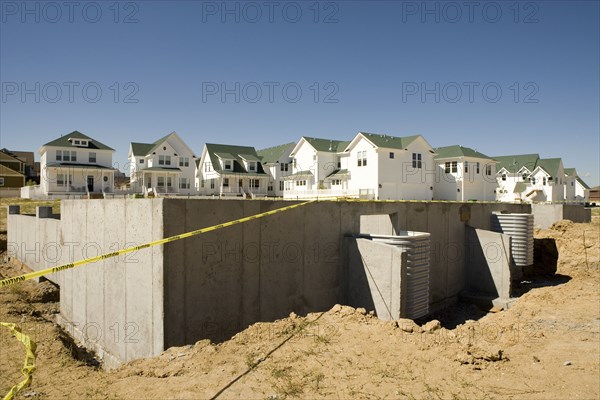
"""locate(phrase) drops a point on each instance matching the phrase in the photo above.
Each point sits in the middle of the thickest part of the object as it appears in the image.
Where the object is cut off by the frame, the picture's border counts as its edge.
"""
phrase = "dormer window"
(76, 142)
(227, 165)
(252, 166)
(79, 142)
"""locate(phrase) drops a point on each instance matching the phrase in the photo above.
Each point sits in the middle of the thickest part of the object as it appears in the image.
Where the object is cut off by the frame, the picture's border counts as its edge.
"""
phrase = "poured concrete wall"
(547, 214)
(213, 285)
(375, 277)
(490, 269)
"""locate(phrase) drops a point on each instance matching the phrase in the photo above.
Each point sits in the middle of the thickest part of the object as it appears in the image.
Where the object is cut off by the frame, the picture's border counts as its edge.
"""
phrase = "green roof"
(143, 149)
(63, 141)
(165, 169)
(515, 162)
(390, 142)
(338, 172)
(570, 171)
(328, 145)
(550, 165)
(585, 185)
(458, 151)
(236, 153)
(272, 154)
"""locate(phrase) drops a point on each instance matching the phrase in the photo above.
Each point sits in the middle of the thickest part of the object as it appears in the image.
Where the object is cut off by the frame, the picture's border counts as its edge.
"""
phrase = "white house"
(530, 178)
(391, 168)
(277, 162)
(576, 190)
(226, 170)
(76, 164)
(318, 169)
(165, 166)
(513, 174)
(464, 174)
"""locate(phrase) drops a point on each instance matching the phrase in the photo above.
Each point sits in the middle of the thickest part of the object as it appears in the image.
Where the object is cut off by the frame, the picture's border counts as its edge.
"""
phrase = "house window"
(58, 155)
(488, 170)
(184, 183)
(447, 167)
(227, 164)
(164, 160)
(477, 168)
(254, 183)
(532, 181)
(141, 160)
(1, 181)
(466, 167)
(169, 183)
(60, 179)
(225, 182)
(503, 177)
(207, 167)
(336, 182)
(392, 155)
(314, 157)
(544, 180)
(184, 162)
(77, 142)
(66, 156)
(252, 166)
(416, 160)
(84, 142)
(212, 183)
(161, 181)
(284, 166)
(92, 158)
(301, 183)
(202, 183)
(452, 167)
(524, 177)
(270, 186)
(73, 156)
(281, 185)
(339, 162)
(362, 158)
(288, 185)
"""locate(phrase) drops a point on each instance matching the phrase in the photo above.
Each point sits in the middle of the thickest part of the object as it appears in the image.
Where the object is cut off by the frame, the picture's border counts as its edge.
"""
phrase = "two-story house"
(464, 174)
(513, 176)
(76, 163)
(576, 190)
(227, 170)
(277, 162)
(547, 181)
(167, 165)
(391, 168)
(318, 169)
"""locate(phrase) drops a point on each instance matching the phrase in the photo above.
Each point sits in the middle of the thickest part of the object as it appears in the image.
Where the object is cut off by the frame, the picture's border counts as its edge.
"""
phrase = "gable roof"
(237, 153)
(457, 151)
(143, 149)
(272, 154)
(550, 165)
(63, 141)
(390, 142)
(515, 162)
(5, 156)
(328, 145)
(585, 185)
(5, 171)
(570, 171)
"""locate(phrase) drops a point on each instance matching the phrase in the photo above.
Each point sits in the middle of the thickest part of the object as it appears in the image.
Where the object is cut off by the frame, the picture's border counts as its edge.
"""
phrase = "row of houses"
(369, 166)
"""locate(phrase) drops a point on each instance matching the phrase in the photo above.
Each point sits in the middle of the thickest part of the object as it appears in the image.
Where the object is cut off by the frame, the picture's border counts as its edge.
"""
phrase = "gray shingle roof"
(63, 141)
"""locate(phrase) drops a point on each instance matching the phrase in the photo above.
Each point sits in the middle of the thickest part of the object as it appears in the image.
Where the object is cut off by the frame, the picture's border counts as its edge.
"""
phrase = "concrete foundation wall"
(213, 285)
(375, 277)
(490, 269)
(547, 214)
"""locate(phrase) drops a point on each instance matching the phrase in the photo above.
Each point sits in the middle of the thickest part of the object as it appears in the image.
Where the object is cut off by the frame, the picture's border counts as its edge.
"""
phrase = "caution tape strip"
(29, 365)
(52, 270)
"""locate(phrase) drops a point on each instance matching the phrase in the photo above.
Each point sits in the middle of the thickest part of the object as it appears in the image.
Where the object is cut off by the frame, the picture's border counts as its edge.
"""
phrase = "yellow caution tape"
(52, 270)
(29, 365)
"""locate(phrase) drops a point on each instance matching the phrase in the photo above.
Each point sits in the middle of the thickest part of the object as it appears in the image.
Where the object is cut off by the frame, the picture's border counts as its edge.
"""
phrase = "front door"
(240, 183)
(90, 183)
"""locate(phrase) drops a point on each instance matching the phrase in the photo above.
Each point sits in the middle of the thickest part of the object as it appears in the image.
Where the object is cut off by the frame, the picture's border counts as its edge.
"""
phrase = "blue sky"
(502, 77)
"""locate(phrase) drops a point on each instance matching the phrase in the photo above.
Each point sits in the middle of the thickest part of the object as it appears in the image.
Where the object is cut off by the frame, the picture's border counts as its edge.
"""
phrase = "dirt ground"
(546, 346)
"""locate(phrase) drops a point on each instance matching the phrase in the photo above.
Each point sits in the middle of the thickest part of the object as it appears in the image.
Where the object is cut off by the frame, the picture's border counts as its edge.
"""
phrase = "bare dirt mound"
(547, 346)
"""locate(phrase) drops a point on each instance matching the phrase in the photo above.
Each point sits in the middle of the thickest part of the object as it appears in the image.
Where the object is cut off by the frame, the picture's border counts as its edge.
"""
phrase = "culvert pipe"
(520, 228)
